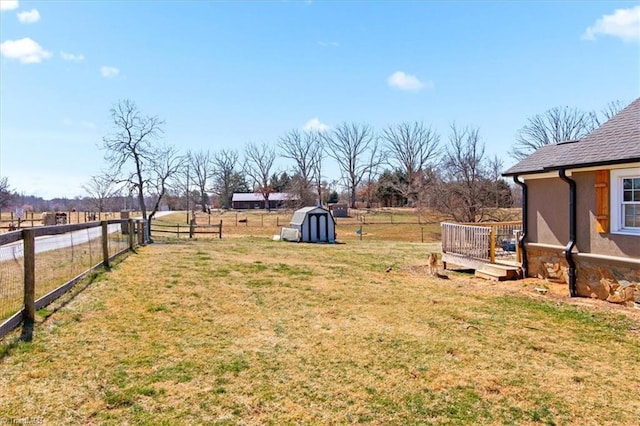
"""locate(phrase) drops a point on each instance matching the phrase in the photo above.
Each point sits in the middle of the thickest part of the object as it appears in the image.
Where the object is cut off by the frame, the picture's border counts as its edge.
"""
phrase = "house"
(581, 209)
(315, 225)
(252, 200)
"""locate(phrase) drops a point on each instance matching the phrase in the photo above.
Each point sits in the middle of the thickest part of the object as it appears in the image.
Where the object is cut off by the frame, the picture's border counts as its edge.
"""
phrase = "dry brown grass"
(251, 331)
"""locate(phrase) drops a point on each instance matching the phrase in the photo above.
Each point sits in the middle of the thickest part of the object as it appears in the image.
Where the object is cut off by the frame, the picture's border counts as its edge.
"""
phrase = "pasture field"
(386, 224)
(251, 331)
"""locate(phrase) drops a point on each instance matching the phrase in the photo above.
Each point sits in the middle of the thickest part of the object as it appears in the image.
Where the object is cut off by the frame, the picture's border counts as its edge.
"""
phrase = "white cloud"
(29, 17)
(72, 57)
(403, 81)
(623, 23)
(25, 50)
(109, 72)
(315, 125)
(8, 5)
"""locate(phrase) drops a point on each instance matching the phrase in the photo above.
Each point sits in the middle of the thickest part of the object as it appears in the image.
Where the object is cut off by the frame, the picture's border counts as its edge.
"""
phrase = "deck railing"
(482, 242)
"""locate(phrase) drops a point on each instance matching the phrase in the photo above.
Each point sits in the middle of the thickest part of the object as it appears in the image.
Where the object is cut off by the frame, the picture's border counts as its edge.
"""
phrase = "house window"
(625, 201)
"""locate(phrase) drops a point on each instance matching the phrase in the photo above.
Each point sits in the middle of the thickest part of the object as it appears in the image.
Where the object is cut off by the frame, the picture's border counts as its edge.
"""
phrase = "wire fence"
(52, 259)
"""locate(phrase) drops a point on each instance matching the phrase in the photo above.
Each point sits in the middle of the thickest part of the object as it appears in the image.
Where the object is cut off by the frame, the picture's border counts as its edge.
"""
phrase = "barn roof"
(615, 142)
(254, 196)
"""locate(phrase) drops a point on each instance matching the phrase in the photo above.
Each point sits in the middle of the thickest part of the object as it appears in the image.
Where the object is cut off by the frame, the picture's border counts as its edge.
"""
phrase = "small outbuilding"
(339, 210)
(315, 224)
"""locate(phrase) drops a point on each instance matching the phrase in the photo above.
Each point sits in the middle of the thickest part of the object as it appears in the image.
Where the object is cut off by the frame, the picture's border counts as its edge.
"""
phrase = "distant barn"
(252, 200)
(315, 224)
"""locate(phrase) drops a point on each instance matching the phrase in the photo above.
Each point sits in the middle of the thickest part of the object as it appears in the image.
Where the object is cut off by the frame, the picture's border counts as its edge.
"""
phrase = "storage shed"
(316, 225)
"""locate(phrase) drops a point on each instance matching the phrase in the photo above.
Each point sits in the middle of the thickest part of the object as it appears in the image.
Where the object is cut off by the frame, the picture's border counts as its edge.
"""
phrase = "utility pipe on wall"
(572, 233)
(525, 207)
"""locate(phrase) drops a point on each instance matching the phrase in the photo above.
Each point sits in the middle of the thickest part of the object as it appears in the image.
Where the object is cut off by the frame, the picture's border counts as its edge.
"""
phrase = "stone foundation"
(611, 279)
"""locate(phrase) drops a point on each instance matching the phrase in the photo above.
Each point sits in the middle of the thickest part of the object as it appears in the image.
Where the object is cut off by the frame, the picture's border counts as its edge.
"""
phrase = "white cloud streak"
(408, 82)
(315, 125)
(109, 72)
(8, 5)
(25, 50)
(29, 17)
(623, 23)
(72, 57)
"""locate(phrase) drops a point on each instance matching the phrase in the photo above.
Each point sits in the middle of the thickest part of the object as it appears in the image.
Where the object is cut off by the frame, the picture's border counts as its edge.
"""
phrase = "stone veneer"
(602, 278)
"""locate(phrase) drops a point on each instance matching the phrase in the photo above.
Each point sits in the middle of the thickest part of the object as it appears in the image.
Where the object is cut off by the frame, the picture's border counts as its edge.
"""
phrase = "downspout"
(572, 233)
(525, 223)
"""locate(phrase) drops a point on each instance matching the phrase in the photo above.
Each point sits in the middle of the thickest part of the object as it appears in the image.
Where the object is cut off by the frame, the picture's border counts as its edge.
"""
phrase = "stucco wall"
(548, 211)
(590, 241)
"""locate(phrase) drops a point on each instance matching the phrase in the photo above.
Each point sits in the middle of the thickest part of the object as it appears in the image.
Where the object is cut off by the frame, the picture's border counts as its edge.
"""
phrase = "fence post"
(422, 234)
(105, 244)
(28, 236)
(220, 230)
(492, 244)
(131, 231)
(140, 232)
(191, 229)
(178, 230)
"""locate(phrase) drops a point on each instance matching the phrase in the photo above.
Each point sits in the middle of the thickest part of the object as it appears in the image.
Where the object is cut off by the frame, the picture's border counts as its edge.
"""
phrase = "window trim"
(617, 221)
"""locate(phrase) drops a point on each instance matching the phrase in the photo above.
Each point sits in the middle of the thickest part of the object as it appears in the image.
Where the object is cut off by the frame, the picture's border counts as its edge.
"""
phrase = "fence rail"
(38, 265)
(482, 242)
(179, 229)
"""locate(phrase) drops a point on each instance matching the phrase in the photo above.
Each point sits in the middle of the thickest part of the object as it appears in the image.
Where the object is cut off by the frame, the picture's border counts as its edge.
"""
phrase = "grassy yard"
(246, 330)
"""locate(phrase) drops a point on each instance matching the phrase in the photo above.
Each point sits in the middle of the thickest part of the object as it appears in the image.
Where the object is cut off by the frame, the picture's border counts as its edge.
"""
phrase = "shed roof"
(300, 214)
(616, 141)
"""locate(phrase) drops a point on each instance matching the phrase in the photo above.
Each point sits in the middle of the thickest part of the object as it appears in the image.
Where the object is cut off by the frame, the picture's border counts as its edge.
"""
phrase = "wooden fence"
(191, 230)
(131, 230)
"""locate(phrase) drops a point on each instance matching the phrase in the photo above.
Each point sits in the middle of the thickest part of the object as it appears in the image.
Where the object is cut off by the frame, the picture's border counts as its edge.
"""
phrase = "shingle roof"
(616, 141)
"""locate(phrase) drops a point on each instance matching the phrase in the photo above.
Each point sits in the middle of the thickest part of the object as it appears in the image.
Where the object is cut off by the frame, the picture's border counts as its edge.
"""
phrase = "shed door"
(318, 227)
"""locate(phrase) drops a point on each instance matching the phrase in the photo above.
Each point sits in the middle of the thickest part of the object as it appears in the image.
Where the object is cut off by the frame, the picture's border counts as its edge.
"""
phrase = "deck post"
(492, 244)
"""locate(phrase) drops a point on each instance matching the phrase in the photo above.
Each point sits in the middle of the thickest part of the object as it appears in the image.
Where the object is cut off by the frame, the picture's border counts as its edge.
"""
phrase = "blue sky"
(222, 74)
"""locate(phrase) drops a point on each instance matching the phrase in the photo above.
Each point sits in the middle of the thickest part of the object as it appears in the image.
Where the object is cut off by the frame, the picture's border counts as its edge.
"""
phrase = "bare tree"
(553, 126)
(611, 109)
(200, 166)
(462, 187)
(6, 196)
(100, 188)
(226, 179)
(130, 148)
(166, 166)
(135, 156)
(349, 144)
(410, 148)
(305, 150)
(258, 163)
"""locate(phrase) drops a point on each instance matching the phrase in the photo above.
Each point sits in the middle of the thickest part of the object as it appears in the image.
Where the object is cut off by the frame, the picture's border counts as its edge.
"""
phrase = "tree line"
(405, 164)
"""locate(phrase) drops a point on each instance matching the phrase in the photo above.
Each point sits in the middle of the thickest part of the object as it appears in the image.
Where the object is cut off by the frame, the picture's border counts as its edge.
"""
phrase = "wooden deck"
(490, 249)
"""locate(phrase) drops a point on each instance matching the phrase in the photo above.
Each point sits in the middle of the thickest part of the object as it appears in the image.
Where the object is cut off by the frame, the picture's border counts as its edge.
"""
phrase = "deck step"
(508, 272)
(487, 275)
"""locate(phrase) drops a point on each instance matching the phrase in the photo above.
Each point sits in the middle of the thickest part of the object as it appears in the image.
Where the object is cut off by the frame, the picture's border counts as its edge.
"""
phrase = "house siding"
(588, 239)
(548, 211)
